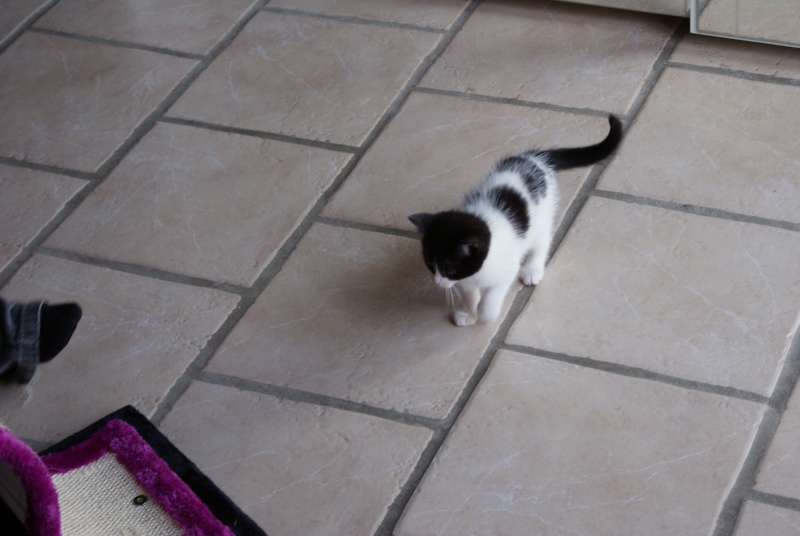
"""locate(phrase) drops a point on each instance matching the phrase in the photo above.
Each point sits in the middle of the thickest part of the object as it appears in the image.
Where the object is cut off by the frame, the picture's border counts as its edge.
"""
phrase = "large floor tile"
(755, 58)
(96, 95)
(774, 20)
(183, 25)
(438, 148)
(758, 519)
(354, 315)
(14, 13)
(29, 201)
(438, 14)
(295, 468)
(675, 150)
(550, 448)
(779, 472)
(306, 77)
(201, 203)
(700, 298)
(553, 52)
(136, 337)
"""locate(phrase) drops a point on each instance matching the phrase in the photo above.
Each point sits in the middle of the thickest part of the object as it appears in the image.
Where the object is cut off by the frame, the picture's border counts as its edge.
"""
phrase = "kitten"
(502, 230)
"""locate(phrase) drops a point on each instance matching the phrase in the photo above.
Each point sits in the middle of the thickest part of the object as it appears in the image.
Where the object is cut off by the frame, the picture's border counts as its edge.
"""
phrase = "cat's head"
(454, 244)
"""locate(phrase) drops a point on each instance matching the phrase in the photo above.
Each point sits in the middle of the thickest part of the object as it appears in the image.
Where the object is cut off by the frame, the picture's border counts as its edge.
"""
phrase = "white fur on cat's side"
(510, 255)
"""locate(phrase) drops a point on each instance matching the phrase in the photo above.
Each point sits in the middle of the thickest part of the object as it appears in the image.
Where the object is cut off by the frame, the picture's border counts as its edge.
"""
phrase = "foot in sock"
(32, 333)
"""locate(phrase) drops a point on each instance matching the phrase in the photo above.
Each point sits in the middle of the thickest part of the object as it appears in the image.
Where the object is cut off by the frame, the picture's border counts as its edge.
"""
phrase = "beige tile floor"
(224, 188)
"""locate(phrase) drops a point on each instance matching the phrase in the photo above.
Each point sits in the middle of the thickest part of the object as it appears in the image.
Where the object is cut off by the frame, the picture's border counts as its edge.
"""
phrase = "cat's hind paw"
(463, 318)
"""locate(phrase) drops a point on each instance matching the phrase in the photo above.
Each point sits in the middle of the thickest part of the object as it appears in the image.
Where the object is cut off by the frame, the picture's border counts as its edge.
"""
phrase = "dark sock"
(57, 326)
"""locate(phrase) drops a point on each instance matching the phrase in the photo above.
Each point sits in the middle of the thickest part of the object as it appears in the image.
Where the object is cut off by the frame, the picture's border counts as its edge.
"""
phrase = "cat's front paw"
(463, 318)
(531, 276)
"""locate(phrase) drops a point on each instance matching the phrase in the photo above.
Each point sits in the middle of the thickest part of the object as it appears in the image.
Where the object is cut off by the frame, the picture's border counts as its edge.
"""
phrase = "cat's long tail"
(586, 156)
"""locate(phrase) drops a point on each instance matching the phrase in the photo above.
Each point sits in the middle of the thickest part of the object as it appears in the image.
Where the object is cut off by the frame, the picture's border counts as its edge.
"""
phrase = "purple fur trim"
(42, 518)
(149, 470)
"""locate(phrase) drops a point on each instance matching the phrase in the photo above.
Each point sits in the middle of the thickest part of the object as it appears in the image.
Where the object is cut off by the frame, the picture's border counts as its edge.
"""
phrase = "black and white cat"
(502, 230)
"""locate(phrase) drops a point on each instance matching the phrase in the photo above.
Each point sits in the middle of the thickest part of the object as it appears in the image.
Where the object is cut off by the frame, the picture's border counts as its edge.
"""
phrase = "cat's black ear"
(421, 220)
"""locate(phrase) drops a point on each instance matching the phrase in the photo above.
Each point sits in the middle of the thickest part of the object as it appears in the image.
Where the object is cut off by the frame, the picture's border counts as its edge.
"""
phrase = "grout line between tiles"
(297, 395)
(696, 210)
(27, 251)
(260, 134)
(122, 150)
(750, 39)
(659, 66)
(743, 486)
(354, 20)
(194, 73)
(45, 168)
(116, 43)
(400, 503)
(397, 507)
(508, 100)
(733, 73)
(639, 373)
(142, 271)
(395, 510)
(288, 246)
(248, 298)
(440, 428)
(26, 24)
(772, 499)
(590, 184)
(346, 224)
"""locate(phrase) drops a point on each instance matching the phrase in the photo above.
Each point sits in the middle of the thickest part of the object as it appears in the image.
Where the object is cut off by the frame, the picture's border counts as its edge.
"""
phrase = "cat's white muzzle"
(443, 282)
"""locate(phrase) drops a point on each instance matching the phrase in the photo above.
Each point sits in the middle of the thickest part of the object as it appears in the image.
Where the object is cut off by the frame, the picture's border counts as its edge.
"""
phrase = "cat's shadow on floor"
(391, 291)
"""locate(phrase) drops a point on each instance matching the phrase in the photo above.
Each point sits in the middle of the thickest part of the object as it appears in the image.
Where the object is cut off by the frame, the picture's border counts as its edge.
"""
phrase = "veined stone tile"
(438, 148)
(201, 203)
(755, 58)
(307, 77)
(184, 25)
(440, 14)
(544, 447)
(15, 13)
(136, 337)
(353, 315)
(758, 519)
(552, 52)
(296, 468)
(714, 141)
(29, 201)
(779, 472)
(699, 298)
(96, 96)
(775, 20)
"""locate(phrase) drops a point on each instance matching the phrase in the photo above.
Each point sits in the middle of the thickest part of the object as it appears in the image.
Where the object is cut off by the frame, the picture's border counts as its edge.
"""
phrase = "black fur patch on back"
(536, 182)
(517, 164)
(513, 206)
(530, 172)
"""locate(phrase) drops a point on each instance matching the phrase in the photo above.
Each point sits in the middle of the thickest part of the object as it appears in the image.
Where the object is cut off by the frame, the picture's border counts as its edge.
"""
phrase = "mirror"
(766, 21)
